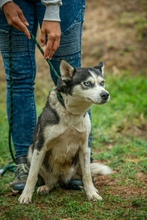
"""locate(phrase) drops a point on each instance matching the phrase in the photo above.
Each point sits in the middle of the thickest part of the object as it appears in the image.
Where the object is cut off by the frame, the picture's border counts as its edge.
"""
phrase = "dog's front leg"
(91, 191)
(36, 163)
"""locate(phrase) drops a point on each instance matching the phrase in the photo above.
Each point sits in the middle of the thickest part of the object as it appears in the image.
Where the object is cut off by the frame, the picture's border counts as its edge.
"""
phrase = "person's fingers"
(23, 19)
(26, 31)
(52, 45)
(51, 48)
(18, 24)
(43, 38)
(49, 45)
(50, 36)
(26, 24)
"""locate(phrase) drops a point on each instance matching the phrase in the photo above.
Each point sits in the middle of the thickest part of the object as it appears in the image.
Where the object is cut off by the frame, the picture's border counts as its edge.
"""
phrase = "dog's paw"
(43, 189)
(92, 194)
(94, 197)
(25, 199)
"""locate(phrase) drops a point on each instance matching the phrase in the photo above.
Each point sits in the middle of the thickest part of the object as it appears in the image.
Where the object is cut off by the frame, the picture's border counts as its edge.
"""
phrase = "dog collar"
(60, 99)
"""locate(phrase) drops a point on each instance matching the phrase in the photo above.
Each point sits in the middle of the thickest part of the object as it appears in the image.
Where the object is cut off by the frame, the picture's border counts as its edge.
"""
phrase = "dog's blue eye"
(87, 84)
(102, 83)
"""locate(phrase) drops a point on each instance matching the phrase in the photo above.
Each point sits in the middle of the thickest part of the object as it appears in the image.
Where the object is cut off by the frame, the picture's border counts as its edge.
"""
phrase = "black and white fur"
(60, 149)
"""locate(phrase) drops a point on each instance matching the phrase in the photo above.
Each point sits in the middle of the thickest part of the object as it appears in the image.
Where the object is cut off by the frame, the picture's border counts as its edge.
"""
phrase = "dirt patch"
(137, 131)
(126, 190)
(116, 33)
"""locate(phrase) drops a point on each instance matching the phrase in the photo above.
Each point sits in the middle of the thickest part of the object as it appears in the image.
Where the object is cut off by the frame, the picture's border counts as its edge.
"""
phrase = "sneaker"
(73, 184)
(21, 175)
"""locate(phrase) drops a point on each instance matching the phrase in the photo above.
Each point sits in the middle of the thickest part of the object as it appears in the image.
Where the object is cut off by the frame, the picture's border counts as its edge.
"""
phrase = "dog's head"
(87, 83)
(83, 85)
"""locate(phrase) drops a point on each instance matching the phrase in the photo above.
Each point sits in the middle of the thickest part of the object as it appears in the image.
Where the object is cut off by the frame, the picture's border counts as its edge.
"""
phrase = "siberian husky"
(60, 150)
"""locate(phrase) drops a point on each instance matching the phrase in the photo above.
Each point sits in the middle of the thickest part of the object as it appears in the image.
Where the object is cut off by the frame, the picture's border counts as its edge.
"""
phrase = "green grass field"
(119, 140)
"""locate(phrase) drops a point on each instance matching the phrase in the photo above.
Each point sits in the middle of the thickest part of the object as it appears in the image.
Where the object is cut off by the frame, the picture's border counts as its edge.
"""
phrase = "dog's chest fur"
(65, 150)
(64, 135)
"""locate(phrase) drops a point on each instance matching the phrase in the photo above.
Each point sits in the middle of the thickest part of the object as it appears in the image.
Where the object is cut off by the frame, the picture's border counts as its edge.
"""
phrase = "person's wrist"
(52, 13)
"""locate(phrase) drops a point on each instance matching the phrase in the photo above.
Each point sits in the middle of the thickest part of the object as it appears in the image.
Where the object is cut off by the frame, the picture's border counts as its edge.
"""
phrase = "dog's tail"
(97, 168)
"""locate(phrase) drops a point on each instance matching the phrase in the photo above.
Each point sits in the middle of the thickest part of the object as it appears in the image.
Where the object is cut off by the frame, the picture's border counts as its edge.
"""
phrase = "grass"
(119, 140)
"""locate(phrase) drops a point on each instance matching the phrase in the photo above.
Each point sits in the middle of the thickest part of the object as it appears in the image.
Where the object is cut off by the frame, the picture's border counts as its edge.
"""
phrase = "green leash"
(11, 94)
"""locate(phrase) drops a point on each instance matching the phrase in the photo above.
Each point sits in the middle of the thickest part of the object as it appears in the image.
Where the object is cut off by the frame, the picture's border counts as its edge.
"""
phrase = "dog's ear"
(66, 70)
(101, 68)
(61, 85)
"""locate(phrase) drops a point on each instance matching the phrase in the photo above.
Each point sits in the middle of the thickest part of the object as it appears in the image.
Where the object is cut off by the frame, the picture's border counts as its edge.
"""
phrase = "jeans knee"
(22, 72)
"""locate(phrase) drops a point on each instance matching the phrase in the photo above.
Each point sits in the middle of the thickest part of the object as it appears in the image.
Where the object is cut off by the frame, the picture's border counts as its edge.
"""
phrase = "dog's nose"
(104, 95)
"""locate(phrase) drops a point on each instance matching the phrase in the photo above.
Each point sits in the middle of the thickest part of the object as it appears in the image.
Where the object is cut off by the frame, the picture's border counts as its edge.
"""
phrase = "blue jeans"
(24, 63)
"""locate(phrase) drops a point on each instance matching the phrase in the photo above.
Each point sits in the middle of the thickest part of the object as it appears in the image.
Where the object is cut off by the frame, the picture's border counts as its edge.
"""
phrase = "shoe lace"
(22, 169)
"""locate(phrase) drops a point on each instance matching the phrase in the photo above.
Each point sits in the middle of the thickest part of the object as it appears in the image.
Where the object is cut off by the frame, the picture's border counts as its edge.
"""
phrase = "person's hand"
(50, 37)
(15, 17)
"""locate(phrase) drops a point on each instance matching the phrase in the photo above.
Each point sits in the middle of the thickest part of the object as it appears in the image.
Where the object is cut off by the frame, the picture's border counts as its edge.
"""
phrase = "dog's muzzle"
(105, 96)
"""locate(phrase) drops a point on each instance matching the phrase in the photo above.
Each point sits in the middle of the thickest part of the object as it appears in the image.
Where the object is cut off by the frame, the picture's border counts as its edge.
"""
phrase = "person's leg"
(72, 15)
(23, 74)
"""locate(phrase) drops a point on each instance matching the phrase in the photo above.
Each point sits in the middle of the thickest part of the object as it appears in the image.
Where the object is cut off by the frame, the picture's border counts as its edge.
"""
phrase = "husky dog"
(60, 149)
